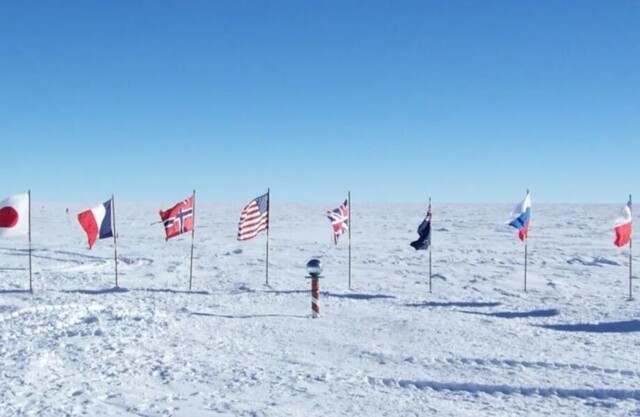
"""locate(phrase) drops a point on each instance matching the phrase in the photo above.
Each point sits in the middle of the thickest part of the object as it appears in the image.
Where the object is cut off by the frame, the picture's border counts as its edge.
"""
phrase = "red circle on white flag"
(8, 217)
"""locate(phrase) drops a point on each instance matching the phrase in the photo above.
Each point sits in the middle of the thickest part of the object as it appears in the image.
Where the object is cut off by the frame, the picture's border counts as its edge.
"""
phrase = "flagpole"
(193, 231)
(526, 244)
(115, 237)
(631, 253)
(268, 227)
(30, 268)
(430, 275)
(350, 226)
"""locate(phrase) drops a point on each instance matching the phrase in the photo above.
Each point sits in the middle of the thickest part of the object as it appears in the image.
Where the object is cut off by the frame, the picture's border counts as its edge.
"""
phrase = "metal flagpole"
(630, 253)
(115, 237)
(350, 226)
(525, 263)
(430, 233)
(193, 231)
(30, 269)
(526, 243)
(268, 227)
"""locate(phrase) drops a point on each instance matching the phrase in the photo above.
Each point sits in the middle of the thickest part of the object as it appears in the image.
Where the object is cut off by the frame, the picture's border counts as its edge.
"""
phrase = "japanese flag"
(14, 215)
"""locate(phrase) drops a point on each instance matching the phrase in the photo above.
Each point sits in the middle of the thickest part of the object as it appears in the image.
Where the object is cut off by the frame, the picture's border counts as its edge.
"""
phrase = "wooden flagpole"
(30, 268)
(193, 231)
(268, 228)
(430, 234)
(350, 226)
(526, 242)
(631, 253)
(115, 237)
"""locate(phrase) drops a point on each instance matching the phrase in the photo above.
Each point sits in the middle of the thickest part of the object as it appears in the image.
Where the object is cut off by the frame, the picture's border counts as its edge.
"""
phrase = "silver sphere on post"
(314, 268)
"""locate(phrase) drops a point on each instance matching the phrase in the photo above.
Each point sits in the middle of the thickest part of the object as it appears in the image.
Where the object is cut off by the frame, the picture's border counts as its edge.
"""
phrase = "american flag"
(339, 220)
(254, 218)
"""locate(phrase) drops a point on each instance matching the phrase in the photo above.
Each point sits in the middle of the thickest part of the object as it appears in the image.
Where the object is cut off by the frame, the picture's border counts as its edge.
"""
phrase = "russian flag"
(623, 226)
(521, 217)
(96, 222)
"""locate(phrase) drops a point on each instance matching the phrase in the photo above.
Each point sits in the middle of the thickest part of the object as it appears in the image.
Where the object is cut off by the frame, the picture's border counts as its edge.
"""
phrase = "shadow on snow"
(352, 296)
(170, 291)
(98, 292)
(249, 316)
(124, 290)
(610, 327)
(520, 314)
(454, 304)
(15, 292)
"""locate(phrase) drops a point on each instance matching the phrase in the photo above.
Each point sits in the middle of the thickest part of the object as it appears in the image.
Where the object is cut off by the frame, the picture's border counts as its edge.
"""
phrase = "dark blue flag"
(424, 230)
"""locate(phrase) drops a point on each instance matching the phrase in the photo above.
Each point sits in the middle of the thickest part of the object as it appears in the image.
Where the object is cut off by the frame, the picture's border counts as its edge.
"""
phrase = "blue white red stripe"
(521, 217)
(96, 222)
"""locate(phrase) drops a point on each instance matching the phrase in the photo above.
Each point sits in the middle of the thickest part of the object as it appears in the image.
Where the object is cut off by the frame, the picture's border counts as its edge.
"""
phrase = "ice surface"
(478, 345)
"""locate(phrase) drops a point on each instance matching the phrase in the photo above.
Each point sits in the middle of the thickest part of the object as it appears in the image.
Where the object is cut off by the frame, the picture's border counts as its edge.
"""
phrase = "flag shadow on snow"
(248, 316)
(15, 292)
(356, 296)
(170, 291)
(519, 314)
(113, 290)
(629, 326)
(352, 296)
(467, 304)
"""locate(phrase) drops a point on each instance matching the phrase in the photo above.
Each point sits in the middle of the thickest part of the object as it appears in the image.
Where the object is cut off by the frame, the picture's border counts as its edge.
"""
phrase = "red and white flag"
(179, 218)
(14, 215)
(623, 226)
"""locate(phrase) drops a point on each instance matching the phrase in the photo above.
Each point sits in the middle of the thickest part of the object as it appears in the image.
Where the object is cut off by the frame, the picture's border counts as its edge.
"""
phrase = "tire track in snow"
(508, 363)
(475, 388)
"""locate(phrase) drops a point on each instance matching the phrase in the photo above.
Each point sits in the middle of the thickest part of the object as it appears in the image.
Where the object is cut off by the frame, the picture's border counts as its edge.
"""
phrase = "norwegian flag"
(339, 220)
(179, 218)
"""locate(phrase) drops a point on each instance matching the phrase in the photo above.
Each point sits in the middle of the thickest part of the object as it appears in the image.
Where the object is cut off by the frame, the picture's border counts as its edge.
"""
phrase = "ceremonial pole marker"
(314, 268)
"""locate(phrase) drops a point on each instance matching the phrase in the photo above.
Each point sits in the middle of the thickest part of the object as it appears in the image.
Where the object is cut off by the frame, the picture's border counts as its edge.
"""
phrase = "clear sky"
(466, 101)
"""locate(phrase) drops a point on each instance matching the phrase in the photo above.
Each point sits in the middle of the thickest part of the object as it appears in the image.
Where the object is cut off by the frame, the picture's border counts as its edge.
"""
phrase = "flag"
(623, 226)
(14, 215)
(254, 218)
(178, 219)
(424, 231)
(96, 222)
(339, 220)
(521, 217)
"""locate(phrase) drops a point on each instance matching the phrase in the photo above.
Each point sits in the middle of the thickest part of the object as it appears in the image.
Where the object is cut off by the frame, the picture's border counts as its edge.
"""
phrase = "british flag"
(178, 219)
(339, 220)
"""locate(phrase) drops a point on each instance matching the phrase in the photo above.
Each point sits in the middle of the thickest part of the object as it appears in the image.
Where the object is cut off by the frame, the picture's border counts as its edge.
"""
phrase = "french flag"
(623, 226)
(521, 217)
(96, 222)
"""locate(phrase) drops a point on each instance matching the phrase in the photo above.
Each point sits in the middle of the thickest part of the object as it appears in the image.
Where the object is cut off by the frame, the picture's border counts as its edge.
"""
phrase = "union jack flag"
(424, 231)
(178, 219)
(339, 220)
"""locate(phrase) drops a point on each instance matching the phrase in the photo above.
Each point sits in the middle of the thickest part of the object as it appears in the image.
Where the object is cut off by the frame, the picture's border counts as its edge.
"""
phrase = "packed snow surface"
(478, 345)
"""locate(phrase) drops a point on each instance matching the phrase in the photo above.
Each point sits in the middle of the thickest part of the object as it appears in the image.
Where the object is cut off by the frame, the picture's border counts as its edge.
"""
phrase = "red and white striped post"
(315, 297)
(314, 268)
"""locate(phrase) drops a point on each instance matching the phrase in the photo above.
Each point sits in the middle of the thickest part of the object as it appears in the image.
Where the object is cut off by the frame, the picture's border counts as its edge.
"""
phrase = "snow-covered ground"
(477, 346)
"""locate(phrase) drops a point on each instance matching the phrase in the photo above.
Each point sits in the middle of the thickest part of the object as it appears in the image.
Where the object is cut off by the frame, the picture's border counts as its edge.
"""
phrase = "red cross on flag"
(178, 219)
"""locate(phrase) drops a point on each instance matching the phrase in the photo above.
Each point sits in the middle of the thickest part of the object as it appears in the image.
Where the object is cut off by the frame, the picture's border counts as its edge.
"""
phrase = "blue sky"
(466, 101)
